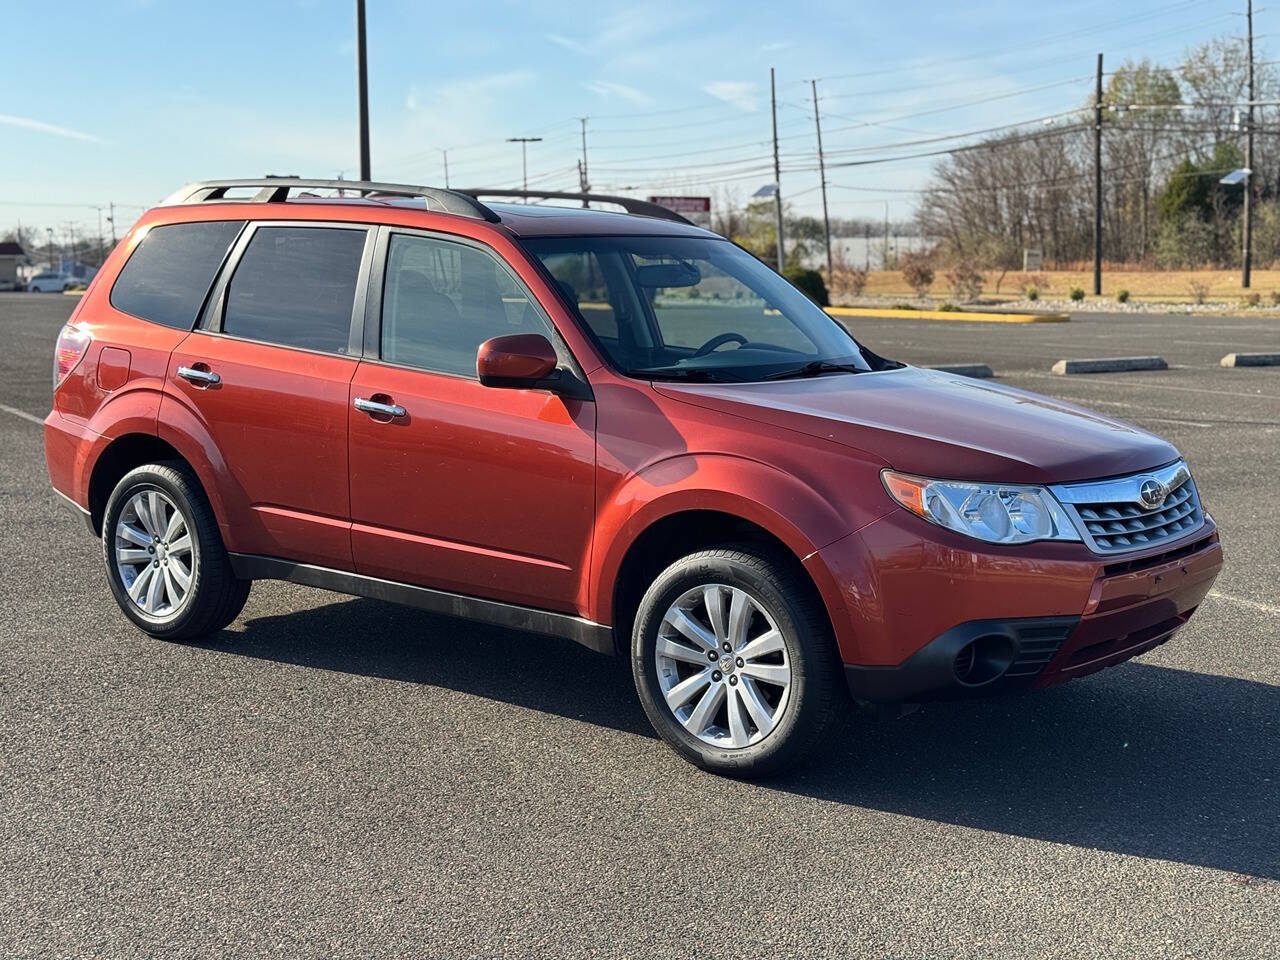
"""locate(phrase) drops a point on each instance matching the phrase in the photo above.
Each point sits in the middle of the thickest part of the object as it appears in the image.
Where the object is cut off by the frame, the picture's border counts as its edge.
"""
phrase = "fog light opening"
(984, 659)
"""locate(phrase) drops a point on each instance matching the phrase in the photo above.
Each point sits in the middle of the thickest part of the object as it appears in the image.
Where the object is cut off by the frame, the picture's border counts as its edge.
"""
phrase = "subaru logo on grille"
(1152, 493)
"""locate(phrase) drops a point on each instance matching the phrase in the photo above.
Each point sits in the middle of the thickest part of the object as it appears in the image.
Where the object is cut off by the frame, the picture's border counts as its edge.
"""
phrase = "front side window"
(169, 273)
(694, 308)
(296, 286)
(441, 300)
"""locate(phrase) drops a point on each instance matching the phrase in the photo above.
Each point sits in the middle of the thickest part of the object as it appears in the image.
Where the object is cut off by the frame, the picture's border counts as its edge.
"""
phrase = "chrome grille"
(1114, 517)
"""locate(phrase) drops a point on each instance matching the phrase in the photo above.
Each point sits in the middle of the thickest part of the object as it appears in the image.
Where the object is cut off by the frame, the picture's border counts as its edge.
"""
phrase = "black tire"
(815, 682)
(215, 596)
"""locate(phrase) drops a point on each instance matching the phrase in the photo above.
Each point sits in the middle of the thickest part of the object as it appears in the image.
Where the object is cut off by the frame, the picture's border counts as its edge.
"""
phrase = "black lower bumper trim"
(977, 658)
(75, 510)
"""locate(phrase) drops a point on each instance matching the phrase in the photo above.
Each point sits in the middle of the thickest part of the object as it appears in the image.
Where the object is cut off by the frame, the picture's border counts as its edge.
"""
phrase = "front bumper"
(931, 618)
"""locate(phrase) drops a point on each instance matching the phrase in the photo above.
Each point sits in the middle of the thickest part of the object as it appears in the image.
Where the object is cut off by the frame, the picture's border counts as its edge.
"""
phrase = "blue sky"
(123, 100)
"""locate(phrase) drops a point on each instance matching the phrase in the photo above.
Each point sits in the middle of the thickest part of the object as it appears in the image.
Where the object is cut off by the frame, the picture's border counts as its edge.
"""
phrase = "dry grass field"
(1171, 286)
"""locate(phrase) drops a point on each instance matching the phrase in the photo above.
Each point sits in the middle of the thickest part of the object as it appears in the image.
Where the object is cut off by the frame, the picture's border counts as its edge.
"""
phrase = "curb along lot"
(961, 316)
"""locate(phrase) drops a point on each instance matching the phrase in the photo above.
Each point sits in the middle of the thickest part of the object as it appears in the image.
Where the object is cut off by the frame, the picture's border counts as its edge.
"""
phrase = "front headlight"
(994, 512)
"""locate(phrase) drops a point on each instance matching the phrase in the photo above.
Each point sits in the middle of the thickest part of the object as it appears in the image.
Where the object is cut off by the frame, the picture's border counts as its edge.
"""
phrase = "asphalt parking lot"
(340, 776)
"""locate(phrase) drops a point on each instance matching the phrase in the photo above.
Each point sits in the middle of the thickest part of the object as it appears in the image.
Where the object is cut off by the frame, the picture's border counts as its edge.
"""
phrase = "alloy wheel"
(723, 666)
(154, 554)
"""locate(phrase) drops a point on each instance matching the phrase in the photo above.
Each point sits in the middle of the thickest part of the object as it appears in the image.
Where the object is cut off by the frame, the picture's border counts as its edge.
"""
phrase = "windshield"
(689, 308)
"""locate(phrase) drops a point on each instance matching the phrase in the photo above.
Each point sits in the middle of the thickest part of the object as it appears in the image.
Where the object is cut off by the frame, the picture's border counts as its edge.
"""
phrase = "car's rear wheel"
(734, 661)
(166, 563)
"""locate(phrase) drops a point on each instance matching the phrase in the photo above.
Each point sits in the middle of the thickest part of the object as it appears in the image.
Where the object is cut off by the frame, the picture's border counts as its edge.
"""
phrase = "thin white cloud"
(620, 90)
(26, 123)
(736, 93)
(468, 91)
(778, 45)
(567, 42)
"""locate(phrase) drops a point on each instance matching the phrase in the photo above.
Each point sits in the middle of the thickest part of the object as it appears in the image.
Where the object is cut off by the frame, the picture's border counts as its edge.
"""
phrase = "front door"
(476, 490)
(266, 382)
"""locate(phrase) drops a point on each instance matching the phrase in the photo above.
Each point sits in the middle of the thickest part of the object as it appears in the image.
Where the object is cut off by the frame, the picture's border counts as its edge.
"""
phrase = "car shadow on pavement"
(1142, 759)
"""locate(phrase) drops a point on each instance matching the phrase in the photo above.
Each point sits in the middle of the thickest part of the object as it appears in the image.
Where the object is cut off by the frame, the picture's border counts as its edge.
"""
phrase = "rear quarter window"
(169, 274)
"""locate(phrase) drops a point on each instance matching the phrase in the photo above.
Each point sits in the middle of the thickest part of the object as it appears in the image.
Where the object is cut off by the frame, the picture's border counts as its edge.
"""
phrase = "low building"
(11, 254)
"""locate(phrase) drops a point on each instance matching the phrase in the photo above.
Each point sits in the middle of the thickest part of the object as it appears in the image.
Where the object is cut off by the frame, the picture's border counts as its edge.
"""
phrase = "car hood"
(942, 425)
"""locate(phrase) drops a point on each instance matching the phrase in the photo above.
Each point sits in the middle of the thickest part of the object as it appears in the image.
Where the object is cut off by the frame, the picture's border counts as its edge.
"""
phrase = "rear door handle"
(373, 406)
(204, 378)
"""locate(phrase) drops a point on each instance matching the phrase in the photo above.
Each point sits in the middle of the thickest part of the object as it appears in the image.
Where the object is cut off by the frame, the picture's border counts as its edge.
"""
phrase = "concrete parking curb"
(1251, 360)
(963, 316)
(979, 371)
(1110, 365)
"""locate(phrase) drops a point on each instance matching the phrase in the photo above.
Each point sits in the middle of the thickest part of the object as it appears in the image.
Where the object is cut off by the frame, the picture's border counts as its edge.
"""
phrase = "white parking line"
(23, 414)
(1264, 607)
(1158, 386)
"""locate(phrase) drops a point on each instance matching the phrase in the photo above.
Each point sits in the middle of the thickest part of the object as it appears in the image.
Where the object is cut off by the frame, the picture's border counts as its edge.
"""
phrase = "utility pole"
(101, 254)
(524, 157)
(49, 234)
(884, 259)
(1247, 256)
(822, 176)
(1097, 185)
(111, 219)
(583, 182)
(362, 72)
(777, 174)
(445, 154)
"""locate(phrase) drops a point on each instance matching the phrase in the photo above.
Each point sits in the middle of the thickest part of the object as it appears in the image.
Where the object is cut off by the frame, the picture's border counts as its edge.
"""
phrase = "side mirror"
(520, 361)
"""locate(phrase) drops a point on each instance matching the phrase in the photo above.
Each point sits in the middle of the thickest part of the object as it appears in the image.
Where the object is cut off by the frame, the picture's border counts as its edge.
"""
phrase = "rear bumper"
(1131, 607)
(68, 446)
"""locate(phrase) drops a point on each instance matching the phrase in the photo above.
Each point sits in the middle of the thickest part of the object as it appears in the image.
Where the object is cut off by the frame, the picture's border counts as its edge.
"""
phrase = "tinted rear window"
(295, 286)
(168, 275)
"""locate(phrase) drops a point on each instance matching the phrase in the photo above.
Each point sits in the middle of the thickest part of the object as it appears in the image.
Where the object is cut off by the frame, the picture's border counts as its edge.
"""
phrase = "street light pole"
(583, 180)
(777, 173)
(822, 177)
(1097, 185)
(362, 73)
(1247, 254)
(524, 158)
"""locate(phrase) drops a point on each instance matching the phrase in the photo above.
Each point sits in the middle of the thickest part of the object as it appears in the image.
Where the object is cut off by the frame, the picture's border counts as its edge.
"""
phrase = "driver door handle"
(202, 378)
(373, 406)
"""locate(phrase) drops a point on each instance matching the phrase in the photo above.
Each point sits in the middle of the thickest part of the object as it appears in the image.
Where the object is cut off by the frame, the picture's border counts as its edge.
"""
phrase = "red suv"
(616, 428)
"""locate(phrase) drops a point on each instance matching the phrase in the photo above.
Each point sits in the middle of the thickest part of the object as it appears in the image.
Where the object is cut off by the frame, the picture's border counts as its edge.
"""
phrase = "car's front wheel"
(166, 563)
(734, 661)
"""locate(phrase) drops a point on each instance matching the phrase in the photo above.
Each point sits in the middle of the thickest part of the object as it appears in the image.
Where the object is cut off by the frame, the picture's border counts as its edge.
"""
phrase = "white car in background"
(51, 282)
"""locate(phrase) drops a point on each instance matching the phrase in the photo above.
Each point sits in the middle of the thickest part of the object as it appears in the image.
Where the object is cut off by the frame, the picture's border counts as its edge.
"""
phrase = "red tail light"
(72, 345)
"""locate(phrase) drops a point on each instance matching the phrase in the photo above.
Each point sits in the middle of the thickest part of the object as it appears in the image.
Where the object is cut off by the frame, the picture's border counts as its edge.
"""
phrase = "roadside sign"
(697, 209)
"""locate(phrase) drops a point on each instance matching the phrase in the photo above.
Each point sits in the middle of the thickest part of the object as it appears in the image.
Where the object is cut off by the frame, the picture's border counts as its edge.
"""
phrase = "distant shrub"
(810, 283)
(1275, 298)
(966, 281)
(1199, 290)
(917, 270)
(1077, 294)
(905, 306)
(949, 308)
(1253, 299)
(849, 281)
(1122, 296)
(1034, 281)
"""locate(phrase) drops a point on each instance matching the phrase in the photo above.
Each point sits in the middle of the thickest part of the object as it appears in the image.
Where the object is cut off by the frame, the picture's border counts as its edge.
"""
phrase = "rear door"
(266, 376)
(472, 489)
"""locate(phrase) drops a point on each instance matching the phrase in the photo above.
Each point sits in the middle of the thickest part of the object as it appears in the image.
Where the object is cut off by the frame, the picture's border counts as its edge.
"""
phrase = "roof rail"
(276, 190)
(641, 208)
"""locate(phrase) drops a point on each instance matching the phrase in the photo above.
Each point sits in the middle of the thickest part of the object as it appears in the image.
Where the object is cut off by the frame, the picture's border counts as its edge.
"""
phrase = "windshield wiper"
(815, 368)
(691, 374)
